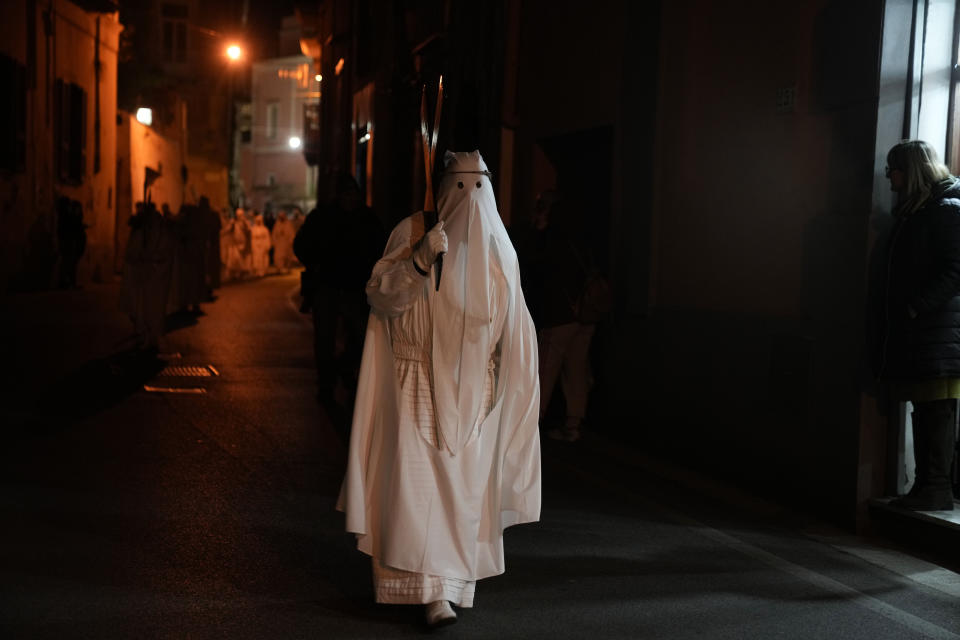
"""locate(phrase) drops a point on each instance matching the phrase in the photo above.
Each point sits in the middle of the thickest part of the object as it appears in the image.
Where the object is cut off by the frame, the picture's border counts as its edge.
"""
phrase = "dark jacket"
(552, 270)
(923, 275)
(339, 248)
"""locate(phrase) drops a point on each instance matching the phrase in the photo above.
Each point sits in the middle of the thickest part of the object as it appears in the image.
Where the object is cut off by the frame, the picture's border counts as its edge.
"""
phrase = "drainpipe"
(96, 100)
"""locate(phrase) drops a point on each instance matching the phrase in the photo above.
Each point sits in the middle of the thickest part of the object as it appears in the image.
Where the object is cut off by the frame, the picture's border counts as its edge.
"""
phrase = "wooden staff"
(429, 140)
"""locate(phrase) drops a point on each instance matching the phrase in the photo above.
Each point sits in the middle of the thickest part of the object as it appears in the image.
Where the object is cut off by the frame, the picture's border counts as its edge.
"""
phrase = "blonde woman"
(920, 347)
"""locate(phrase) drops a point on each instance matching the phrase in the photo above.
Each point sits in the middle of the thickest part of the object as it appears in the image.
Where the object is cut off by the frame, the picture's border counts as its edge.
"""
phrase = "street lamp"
(294, 142)
(234, 52)
(145, 116)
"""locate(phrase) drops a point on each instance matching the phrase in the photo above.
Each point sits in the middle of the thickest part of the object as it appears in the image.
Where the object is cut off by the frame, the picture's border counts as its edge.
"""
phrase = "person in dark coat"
(919, 350)
(339, 244)
(211, 247)
(554, 262)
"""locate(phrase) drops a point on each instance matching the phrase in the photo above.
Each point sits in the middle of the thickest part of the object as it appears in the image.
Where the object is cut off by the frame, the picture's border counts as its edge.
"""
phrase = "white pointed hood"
(462, 333)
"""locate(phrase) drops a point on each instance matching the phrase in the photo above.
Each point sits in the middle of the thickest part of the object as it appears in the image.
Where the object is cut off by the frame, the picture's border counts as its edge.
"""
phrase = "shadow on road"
(89, 389)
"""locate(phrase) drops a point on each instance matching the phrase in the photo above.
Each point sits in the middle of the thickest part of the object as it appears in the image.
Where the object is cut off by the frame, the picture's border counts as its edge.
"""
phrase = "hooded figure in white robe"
(445, 448)
(226, 245)
(282, 235)
(260, 246)
(240, 246)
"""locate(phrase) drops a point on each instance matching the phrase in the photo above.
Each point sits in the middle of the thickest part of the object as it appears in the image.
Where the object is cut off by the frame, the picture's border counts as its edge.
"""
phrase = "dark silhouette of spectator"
(555, 268)
(71, 239)
(919, 340)
(339, 244)
(193, 243)
(149, 261)
(211, 250)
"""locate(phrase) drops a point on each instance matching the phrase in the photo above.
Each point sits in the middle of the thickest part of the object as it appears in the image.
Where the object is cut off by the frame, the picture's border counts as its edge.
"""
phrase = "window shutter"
(61, 129)
(81, 133)
(20, 119)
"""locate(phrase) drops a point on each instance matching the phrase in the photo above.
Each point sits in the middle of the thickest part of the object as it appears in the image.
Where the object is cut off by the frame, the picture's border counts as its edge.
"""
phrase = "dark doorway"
(584, 164)
(583, 161)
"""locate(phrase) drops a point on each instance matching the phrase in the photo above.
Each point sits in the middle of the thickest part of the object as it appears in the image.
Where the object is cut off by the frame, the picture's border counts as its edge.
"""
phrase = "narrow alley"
(205, 508)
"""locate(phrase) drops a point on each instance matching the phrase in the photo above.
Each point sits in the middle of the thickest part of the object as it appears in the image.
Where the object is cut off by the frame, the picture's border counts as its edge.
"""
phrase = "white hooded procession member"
(445, 448)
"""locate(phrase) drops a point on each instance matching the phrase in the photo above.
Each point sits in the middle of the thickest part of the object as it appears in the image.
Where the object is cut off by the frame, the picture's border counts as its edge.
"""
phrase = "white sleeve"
(395, 283)
(394, 286)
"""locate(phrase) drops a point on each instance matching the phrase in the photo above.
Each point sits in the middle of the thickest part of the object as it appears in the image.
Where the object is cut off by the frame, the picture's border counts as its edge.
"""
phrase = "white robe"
(282, 236)
(419, 500)
(260, 247)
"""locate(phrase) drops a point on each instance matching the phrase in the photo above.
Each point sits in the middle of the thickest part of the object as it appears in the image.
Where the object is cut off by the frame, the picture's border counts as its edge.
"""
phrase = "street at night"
(171, 515)
(505, 319)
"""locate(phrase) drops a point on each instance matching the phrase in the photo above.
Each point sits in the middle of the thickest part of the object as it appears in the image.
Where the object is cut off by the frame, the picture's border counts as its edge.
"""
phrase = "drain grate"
(188, 372)
(190, 390)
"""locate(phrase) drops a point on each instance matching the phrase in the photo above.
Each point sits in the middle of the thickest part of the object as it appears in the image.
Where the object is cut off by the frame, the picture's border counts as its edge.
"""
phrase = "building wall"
(206, 80)
(165, 155)
(760, 235)
(139, 147)
(206, 178)
(66, 52)
(289, 83)
(739, 192)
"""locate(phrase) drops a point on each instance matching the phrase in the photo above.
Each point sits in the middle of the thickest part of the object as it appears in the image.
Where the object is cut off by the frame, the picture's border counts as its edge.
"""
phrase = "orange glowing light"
(234, 52)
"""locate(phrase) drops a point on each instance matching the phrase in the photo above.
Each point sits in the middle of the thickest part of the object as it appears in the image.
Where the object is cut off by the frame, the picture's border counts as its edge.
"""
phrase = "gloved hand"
(430, 246)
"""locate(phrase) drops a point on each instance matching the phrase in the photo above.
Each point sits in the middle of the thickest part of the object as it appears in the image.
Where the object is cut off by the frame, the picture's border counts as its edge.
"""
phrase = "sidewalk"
(69, 353)
(926, 543)
(50, 337)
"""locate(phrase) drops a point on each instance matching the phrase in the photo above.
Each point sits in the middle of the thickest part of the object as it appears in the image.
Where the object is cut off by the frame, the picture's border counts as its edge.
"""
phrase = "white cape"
(441, 510)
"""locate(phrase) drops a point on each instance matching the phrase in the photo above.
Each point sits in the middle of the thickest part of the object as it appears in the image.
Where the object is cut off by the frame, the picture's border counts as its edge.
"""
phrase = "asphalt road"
(149, 514)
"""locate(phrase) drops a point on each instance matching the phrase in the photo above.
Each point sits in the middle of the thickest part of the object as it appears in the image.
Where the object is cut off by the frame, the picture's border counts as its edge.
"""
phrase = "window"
(245, 122)
(952, 153)
(71, 131)
(273, 118)
(174, 32)
(923, 61)
(13, 116)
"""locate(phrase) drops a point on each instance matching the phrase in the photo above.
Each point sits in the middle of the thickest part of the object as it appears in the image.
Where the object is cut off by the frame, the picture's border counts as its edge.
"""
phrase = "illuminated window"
(272, 120)
(300, 73)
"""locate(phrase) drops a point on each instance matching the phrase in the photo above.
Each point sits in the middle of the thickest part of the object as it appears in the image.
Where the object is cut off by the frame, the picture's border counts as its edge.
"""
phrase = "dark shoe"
(926, 499)
(933, 425)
